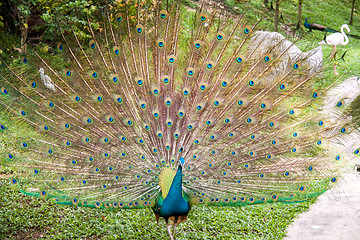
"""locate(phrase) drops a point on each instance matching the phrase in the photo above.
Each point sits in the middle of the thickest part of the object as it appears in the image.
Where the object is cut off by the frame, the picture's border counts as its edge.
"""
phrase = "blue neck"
(306, 24)
(176, 186)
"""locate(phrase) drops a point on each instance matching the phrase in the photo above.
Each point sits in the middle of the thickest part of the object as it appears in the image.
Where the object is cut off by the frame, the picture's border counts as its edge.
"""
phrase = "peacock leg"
(176, 222)
(168, 226)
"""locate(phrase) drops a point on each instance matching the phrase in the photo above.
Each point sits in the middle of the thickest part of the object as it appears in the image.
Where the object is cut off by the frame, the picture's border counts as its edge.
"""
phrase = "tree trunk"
(277, 4)
(24, 33)
(299, 13)
(352, 12)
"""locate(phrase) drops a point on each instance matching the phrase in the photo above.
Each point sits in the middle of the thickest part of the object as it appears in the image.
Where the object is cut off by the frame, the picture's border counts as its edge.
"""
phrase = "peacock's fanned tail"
(99, 127)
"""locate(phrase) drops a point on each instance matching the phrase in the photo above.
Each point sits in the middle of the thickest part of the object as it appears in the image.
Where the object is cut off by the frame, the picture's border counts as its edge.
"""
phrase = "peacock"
(147, 112)
(315, 26)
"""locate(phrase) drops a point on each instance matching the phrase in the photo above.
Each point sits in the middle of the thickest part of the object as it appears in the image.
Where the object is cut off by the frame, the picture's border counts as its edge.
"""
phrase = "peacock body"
(148, 113)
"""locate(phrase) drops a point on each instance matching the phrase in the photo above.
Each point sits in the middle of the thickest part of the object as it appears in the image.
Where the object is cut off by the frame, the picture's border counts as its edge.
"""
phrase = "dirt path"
(334, 216)
(336, 213)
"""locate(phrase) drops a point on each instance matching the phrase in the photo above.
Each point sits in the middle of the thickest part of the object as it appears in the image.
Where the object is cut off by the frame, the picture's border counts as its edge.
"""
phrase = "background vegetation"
(32, 24)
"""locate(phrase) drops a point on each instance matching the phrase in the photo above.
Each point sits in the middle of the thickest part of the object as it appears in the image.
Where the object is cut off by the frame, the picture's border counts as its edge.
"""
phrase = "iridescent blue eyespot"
(171, 60)
(33, 84)
(224, 84)
(160, 44)
(24, 60)
(209, 66)
(340, 103)
(139, 30)
(68, 73)
(251, 83)
(197, 45)
(92, 45)
(240, 102)
(266, 58)
(219, 37)
(246, 30)
(202, 87)
(315, 95)
(5, 91)
(239, 60)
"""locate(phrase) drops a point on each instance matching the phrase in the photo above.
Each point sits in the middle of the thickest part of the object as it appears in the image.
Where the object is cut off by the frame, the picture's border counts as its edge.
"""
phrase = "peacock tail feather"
(106, 126)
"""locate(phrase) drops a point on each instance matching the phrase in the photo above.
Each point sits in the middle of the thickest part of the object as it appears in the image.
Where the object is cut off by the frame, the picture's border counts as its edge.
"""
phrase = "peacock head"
(181, 162)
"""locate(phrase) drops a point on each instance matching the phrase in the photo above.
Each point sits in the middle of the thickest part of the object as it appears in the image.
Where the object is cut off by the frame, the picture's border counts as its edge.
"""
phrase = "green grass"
(23, 217)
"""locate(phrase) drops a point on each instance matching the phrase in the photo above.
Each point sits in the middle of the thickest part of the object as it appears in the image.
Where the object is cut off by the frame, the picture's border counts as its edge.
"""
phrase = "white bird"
(46, 80)
(337, 38)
